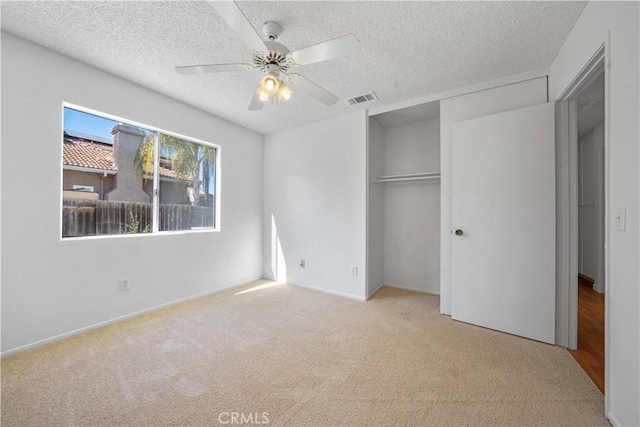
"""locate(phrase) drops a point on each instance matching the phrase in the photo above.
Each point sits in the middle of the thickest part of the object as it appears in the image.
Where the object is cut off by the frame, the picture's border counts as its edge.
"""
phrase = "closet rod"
(408, 178)
(411, 175)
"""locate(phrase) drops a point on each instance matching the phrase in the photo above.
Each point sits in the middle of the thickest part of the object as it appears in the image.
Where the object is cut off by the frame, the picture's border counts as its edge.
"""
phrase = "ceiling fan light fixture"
(270, 84)
(284, 92)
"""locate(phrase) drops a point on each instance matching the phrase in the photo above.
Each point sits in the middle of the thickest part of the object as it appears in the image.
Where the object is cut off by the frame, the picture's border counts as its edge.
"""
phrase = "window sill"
(144, 235)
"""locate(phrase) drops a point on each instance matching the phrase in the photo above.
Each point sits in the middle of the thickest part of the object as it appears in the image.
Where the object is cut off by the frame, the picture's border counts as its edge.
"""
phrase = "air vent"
(362, 98)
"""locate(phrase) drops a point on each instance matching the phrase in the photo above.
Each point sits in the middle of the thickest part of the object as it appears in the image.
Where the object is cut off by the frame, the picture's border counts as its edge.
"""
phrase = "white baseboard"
(110, 321)
(614, 422)
(599, 289)
(329, 291)
(374, 292)
(407, 288)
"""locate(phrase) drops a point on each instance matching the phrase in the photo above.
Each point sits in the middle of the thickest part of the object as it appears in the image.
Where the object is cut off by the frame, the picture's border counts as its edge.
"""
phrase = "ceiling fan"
(275, 59)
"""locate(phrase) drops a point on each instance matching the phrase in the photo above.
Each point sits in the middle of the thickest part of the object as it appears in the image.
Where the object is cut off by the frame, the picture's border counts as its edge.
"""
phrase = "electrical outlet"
(125, 285)
(302, 264)
(354, 271)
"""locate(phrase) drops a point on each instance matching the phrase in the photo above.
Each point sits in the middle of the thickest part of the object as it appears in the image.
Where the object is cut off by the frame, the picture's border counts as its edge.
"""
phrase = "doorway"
(582, 141)
(590, 130)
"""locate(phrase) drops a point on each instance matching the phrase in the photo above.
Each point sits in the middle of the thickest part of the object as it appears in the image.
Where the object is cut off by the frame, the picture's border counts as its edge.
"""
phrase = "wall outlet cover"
(125, 285)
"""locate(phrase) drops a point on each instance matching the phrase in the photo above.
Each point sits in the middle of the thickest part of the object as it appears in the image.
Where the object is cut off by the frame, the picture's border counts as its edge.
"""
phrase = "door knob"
(458, 232)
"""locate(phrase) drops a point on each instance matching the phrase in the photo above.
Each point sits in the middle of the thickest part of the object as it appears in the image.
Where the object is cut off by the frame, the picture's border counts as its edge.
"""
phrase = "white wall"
(315, 204)
(375, 212)
(623, 289)
(590, 206)
(412, 209)
(464, 107)
(52, 287)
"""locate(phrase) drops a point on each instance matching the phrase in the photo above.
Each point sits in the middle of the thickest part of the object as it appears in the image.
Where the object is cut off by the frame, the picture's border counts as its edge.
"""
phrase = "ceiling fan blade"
(256, 103)
(307, 87)
(212, 68)
(230, 12)
(342, 46)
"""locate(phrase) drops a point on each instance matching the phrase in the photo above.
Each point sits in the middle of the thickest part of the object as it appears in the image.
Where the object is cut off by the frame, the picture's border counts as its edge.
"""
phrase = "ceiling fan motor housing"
(278, 55)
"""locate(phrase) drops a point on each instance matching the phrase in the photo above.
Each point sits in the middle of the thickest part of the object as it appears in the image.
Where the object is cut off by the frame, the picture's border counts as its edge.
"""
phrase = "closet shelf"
(409, 177)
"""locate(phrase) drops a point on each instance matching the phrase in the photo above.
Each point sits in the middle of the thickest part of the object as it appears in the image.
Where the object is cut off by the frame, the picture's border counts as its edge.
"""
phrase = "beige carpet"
(296, 357)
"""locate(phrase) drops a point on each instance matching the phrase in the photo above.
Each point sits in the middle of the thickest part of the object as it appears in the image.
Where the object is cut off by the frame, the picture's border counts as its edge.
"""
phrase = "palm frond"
(192, 161)
(143, 160)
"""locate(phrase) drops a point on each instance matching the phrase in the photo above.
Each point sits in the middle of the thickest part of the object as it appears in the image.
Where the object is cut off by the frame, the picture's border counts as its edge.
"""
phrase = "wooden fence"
(98, 217)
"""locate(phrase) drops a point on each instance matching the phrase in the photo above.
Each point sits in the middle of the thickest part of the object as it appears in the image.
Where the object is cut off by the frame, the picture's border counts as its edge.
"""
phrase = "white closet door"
(503, 192)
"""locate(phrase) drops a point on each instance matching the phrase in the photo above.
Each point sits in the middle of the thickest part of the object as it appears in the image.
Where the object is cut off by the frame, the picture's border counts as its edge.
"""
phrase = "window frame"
(156, 178)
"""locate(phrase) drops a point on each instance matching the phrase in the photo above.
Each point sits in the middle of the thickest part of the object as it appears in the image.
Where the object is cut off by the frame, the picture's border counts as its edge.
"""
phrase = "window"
(122, 178)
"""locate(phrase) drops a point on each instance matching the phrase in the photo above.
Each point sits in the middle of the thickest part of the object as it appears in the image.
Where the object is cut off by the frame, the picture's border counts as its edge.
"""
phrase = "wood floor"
(590, 352)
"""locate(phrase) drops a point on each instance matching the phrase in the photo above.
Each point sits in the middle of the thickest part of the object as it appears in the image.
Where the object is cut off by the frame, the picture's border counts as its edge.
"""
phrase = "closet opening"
(403, 244)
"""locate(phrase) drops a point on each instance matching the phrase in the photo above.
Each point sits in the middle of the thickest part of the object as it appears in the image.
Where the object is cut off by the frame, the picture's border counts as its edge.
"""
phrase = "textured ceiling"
(409, 49)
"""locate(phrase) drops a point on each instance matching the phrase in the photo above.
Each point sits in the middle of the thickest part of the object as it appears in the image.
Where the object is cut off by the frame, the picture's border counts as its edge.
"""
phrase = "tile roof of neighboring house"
(87, 154)
(92, 154)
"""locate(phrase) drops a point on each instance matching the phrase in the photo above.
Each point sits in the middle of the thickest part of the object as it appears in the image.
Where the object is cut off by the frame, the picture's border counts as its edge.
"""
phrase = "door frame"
(567, 203)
